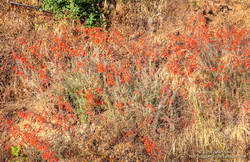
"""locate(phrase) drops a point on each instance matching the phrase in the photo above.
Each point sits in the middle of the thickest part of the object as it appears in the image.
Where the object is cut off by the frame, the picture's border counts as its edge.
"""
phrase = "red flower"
(47, 155)
(14, 68)
(126, 76)
(23, 115)
(152, 107)
(90, 97)
(110, 79)
(149, 145)
(129, 133)
(214, 69)
(113, 68)
(101, 68)
(119, 105)
(40, 119)
(99, 90)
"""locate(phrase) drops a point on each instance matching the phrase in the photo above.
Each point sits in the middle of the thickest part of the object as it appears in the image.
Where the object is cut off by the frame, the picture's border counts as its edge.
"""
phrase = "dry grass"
(159, 85)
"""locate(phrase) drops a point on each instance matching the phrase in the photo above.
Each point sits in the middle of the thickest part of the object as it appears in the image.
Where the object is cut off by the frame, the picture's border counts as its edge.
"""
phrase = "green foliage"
(195, 4)
(15, 151)
(87, 10)
(80, 103)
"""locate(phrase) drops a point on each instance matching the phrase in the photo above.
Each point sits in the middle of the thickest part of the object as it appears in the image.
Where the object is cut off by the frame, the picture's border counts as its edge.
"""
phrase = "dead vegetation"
(130, 124)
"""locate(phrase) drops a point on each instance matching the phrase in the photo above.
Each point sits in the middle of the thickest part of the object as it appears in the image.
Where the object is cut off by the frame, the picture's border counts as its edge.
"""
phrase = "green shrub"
(15, 151)
(87, 10)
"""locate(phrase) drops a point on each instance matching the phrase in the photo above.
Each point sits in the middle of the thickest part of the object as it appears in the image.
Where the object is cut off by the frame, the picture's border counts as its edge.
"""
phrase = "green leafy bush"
(87, 10)
(15, 151)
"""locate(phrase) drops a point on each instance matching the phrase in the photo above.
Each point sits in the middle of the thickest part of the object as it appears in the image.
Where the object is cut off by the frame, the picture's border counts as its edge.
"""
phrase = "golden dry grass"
(193, 122)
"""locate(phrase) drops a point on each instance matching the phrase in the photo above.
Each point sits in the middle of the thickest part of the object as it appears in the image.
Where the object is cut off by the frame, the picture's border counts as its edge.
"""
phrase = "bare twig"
(28, 6)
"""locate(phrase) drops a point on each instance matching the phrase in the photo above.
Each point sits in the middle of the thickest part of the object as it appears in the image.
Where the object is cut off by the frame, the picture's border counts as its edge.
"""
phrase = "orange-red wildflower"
(119, 106)
(110, 79)
(101, 68)
(126, 76)
(149, 145)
